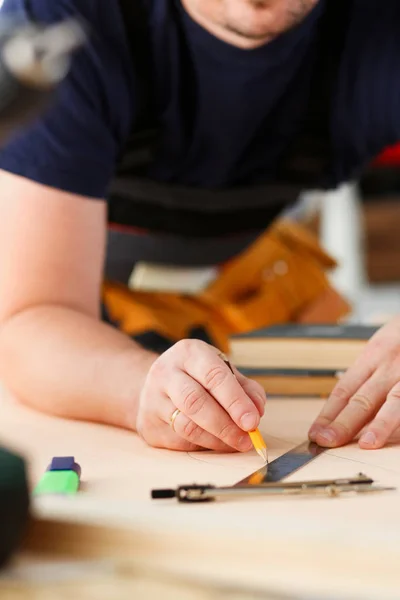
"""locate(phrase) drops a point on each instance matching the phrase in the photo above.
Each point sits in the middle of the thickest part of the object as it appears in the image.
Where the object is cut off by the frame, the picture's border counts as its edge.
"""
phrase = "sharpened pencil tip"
(263, 453)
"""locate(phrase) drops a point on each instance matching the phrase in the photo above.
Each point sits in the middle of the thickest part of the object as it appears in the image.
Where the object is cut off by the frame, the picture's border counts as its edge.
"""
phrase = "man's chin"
(248, 23)
(254, 23)
(264, 19)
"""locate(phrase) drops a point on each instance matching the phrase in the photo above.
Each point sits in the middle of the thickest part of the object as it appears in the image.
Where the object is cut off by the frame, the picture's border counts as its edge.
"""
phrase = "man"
(232, 84)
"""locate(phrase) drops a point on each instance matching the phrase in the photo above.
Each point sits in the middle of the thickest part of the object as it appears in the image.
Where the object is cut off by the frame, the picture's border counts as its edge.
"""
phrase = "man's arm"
(55, 353)
(57, 356)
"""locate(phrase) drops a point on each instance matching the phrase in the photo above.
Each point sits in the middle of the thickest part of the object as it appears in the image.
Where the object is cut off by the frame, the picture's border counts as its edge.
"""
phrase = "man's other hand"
(366, 400)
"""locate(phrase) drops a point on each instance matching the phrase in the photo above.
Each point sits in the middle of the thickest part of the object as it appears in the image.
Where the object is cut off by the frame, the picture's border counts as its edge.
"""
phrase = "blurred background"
(359, 225)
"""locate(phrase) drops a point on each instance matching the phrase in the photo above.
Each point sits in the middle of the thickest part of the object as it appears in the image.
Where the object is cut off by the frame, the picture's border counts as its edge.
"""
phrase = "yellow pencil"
(256, 438)
(259, 445)
(256, 478)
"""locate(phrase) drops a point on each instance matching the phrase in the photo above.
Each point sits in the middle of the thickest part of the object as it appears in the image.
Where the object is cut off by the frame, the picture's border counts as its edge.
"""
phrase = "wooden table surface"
(112, 541)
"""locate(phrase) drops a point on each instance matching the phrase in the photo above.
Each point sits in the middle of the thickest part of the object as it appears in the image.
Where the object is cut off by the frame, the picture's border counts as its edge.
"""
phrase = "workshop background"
(359, 225)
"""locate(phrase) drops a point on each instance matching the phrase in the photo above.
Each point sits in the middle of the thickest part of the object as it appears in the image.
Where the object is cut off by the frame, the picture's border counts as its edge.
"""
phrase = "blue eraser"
(64, 463)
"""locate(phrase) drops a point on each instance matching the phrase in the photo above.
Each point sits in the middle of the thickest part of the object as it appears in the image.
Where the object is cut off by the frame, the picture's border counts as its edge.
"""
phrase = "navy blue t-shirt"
(223, 128)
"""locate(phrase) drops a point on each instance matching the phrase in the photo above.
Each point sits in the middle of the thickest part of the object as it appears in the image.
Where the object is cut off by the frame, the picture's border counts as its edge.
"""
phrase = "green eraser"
(58, 482)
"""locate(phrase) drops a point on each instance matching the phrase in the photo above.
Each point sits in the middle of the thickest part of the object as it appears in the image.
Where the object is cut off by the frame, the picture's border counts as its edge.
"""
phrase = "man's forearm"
(66, 363)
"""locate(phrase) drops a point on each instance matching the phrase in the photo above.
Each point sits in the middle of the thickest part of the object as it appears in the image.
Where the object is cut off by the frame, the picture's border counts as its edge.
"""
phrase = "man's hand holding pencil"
(193, 399)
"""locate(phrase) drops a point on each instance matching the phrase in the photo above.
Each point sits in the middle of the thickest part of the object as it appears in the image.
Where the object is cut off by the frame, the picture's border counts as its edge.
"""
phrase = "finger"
(347, 386)
(254, 390)
(211, 372)
(193, 433)
(360, 409)
(155, 429)
(385, 423)
(200, 407)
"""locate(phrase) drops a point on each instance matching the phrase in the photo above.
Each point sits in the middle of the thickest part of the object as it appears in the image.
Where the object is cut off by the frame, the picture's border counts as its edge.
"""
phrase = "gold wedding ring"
(173, 417)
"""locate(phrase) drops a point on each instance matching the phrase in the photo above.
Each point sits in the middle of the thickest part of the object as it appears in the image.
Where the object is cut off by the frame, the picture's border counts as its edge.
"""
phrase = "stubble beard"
(264, 19)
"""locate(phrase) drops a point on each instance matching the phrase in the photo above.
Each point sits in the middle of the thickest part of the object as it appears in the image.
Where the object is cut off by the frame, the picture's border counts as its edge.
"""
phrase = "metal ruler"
(284, 465)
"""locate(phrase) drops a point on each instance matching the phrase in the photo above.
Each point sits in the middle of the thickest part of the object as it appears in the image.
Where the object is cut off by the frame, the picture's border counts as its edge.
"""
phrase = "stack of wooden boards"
(299, 360)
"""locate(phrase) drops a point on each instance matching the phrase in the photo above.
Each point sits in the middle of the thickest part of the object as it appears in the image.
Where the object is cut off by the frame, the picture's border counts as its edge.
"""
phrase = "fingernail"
(328, 435)
(314, 431)
(244, 443)
(248, 422)
(263, 398)
(368, 438)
